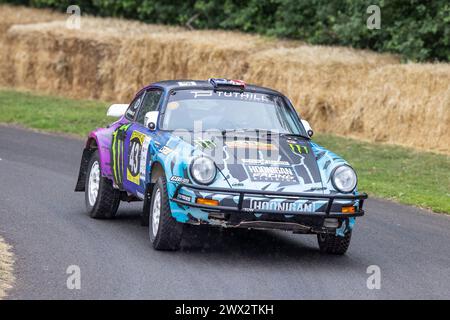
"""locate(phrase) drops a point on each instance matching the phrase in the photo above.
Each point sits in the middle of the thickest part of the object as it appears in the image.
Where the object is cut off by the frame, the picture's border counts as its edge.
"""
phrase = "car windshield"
(201, 110)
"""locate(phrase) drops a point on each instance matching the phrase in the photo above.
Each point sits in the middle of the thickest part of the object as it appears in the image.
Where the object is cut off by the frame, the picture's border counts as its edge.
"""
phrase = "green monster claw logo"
(117, 153)
(298, 149)
(205, 144)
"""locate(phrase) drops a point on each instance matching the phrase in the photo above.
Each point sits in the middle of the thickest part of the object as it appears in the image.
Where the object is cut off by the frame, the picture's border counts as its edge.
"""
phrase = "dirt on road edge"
(6, 268)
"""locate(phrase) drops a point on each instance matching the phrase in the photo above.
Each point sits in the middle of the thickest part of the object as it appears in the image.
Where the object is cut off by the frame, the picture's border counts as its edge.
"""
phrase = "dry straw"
(6, 268)
(340, 90)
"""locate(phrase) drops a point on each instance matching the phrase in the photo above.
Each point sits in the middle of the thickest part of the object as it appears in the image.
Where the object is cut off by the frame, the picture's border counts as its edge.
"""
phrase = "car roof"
(202, 84)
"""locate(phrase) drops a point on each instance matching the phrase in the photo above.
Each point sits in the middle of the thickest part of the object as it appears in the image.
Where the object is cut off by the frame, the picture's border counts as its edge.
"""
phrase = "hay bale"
(361, 94)
(111, 59)
(406, 104)
(322, 82)
(11, 15)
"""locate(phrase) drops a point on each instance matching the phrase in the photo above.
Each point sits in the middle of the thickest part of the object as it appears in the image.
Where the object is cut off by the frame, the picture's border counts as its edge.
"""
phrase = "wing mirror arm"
(151, 120)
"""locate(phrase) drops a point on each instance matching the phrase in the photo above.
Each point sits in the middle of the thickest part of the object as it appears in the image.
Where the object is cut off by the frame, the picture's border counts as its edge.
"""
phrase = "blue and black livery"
(263, 179)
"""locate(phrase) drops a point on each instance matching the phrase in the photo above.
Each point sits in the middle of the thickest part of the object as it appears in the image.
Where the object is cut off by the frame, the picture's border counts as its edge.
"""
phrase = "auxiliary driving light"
(348, 209)
(208, 202)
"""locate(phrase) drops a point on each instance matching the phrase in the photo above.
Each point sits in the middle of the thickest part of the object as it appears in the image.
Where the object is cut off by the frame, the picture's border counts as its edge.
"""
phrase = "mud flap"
(81, 182)
(146, 207)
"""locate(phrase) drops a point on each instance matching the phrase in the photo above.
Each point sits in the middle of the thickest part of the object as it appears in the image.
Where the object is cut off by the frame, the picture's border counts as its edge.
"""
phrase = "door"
(118, 142)
(137, 153)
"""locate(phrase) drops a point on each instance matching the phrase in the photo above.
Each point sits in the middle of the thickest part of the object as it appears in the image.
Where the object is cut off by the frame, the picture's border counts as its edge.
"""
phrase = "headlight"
(203, 170)
(344, 179)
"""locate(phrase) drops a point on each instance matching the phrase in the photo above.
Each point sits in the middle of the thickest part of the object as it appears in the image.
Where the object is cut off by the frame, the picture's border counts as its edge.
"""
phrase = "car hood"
(264, 162)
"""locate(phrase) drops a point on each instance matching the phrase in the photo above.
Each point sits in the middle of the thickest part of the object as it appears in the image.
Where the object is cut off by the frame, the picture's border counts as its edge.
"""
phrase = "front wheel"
(165, 232)
(333, 244)
(102, 200)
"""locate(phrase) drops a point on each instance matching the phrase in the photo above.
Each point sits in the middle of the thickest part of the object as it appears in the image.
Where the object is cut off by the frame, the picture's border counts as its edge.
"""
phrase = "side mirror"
(308, 128)
(151, 119)
(117, 110)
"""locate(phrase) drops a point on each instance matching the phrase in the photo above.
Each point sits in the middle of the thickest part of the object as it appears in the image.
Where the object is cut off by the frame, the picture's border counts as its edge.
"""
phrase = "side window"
(133, 108)
(150, 103)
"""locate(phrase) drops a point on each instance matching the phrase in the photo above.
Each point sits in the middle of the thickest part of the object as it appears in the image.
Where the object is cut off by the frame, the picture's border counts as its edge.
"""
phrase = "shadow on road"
(272, 247)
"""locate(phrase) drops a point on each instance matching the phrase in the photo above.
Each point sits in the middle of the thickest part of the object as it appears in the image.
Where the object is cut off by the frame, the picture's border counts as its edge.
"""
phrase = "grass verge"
(397, 173)
(401, 174)
(52, 114)
(6, 266)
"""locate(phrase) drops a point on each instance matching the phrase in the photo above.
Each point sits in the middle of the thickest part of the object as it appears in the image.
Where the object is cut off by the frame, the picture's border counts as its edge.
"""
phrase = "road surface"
(45, 222)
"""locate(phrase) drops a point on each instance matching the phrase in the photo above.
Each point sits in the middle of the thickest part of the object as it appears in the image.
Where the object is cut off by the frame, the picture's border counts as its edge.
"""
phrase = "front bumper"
(242, 213)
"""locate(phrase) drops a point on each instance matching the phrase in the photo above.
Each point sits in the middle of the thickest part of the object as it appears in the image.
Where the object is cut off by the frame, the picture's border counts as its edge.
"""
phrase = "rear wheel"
(165, 232)
(333, 244)
(102, 200)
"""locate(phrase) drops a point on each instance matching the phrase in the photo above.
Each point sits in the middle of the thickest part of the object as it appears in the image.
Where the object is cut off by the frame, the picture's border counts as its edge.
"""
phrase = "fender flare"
(90, 147)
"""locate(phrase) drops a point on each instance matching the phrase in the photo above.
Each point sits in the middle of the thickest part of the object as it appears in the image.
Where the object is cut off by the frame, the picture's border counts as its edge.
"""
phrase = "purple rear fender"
(100, 139)
(103, 138)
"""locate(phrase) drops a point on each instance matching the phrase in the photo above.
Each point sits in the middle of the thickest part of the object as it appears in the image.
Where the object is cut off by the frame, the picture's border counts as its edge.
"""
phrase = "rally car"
(222, 153)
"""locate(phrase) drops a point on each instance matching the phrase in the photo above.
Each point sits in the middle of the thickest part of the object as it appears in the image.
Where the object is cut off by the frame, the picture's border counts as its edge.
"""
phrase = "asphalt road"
(45, 222)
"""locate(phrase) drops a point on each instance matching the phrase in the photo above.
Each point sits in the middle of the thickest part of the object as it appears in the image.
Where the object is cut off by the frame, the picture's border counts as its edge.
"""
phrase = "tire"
(103, 203)
(332, 244)
(165, 232)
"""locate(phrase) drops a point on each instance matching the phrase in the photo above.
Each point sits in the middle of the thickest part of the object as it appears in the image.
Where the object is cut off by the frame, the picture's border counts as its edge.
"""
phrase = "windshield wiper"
(268, 132)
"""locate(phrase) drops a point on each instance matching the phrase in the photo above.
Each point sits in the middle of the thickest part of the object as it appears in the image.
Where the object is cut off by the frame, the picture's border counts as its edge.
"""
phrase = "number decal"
(134, 157)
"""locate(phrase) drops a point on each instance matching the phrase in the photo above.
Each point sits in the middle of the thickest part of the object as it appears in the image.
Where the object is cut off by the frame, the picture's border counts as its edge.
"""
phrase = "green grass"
(401, 174)
(53, 114)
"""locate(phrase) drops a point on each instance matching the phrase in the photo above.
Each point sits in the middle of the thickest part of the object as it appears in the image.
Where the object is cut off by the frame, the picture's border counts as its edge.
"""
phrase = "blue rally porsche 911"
(223, 153)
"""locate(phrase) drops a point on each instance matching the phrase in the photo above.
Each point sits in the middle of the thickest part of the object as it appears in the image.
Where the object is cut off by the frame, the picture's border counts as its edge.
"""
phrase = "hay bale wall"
(11, 15)
(340, 90)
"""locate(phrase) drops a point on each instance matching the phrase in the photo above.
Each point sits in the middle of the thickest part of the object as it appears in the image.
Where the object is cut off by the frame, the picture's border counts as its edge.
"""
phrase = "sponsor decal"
(131, 112)
(298, 149)
(178, 179)
(205, 144)
(246, 96)
(271, 173)
(117, 154)
(187, 83)
(202, 93)
(243, 96)
(280, 206)
(134, 157)
(144, 153)
(165, 150)
(238, 184)
(184, 197)
(244, 144)
(265, 162)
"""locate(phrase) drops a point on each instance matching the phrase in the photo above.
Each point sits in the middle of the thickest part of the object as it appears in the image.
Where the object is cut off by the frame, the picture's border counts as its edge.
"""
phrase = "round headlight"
(344, 179)
(203, 170)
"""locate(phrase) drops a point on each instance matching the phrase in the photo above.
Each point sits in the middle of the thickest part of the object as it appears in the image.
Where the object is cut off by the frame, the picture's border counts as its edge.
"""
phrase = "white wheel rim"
(156, 212)
(94, 183)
